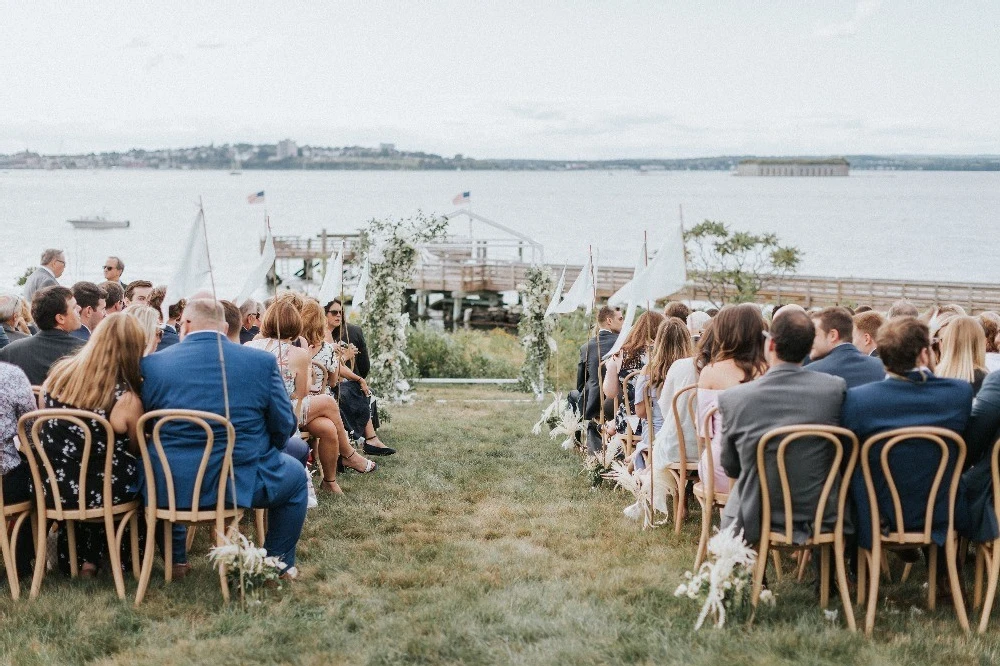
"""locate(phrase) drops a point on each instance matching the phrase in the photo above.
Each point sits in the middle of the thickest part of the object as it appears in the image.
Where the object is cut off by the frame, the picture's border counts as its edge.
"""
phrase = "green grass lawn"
(477, 543)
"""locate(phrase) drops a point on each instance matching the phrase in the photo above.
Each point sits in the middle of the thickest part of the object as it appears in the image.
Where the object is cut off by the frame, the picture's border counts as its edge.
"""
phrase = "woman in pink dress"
(733, 354)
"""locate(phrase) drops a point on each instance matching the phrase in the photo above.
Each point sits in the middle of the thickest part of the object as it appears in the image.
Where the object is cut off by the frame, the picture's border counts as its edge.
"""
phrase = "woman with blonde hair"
(963, 351)
(672, 343)
(149, 320)
(318, 414)
(103, 377)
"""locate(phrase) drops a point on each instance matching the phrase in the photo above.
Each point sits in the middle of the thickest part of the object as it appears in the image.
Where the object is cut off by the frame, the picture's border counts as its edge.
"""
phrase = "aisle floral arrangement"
(248, 568)
(535, 329)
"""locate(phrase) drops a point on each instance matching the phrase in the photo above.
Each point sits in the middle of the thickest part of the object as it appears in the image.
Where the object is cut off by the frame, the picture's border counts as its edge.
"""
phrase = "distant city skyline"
(562, 80)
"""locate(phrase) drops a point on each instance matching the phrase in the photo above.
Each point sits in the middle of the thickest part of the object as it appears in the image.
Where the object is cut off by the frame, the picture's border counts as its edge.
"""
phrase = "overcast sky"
(563, 80)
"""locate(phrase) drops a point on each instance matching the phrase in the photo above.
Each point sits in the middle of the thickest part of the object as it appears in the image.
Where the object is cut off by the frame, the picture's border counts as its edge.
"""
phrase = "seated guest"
(696, 323)
(355, 409)
(231, 313)
(138, 291)
(902, 308)
(911, 395)
(116, 296)
(586, 399)
(168, 330)
(102, 378)
(16, 400)
(981, 434)
(55, 311)
(866, 325)
(963, 351)
(677, 309)
(738, 358)
(249, 321)
(348, 336)
(149, 320)
(672, 343)
(259, 411)
(632, 356)
(53, 264)
(317, 414)
(787, 394)
(991, 327)
(113, 269)
(10, 316)
(864, 308)
(833, 353)
(91, 300)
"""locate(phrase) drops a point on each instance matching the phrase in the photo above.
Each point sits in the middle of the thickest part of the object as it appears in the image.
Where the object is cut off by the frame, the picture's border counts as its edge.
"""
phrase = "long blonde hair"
(149, 320)
(673, 342)
(111, 356)
(963, 349)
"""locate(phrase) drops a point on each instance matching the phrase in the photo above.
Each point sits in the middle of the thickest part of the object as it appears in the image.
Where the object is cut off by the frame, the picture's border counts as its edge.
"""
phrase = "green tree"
(733, 266)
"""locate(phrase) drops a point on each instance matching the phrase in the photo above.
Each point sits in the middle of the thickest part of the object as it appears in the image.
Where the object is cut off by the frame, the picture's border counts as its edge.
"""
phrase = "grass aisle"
(478, 543)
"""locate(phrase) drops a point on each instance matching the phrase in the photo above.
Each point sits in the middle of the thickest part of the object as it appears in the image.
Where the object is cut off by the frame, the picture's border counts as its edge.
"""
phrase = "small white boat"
(98, 223)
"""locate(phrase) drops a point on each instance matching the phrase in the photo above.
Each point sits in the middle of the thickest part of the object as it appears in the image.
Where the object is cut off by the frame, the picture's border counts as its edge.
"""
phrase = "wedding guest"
(16, 400)
(93, 307)
(260, 412)
(55, 311)
(696, 323)
(963, 352)
(113, 269)
(350, 336)
(249, 320)
(103, 378)
(586, 399)
(864, 308)
(317, 414)
(902, 308)
(234, 319)
(115, 296)
(139, 292)
(981, 436)
(911, 395)
(168, 329)
(991, 327)
(866, 325)
(149, 321)
(632, 356)
(10, 317)
(677, 309)
(738, 358)
(787, 394)
(835, 354)
(53, 263)
(671, 344)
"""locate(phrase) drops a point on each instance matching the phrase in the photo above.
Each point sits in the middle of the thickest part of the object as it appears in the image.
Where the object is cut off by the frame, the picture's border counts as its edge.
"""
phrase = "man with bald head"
(188, 375)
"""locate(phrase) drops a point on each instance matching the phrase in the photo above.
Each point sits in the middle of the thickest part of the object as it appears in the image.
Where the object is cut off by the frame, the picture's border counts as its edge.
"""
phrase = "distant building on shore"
(834, 166)
(287, 150)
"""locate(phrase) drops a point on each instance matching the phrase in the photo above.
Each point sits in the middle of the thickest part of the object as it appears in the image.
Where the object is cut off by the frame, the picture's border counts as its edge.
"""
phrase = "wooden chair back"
(679, 423)
(705, 449)
(940, 437)
(13, 516)
(320, 379)
(630, 436)
(38, 458)
(836, 437)
(199, 419)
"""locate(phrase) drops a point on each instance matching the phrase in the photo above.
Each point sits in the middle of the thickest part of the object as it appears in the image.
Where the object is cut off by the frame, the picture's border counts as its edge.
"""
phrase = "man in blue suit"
(910, 396)
(188, 376)
(835, 354)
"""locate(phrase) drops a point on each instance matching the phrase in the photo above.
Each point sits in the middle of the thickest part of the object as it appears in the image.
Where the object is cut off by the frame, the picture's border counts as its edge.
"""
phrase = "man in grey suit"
(787, 395)
(53, 264)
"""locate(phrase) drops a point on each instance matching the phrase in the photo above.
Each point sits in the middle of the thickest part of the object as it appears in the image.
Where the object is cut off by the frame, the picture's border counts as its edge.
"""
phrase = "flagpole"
(680, 212)
(645, 256)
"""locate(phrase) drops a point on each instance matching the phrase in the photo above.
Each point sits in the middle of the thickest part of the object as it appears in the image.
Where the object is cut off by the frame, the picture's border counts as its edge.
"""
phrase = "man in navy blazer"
(587, 397)
(188, 376)
(910, 396)
(835, 354)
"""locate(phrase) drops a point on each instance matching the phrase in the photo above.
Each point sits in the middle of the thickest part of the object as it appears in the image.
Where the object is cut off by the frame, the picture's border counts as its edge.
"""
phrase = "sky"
(548, 80)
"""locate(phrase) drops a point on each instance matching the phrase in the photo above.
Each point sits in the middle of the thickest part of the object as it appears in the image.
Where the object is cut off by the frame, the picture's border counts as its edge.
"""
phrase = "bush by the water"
(435, 353)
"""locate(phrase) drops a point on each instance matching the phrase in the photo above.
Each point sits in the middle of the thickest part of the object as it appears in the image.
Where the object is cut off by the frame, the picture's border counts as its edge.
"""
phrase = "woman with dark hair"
(737, 358)
(633, 355)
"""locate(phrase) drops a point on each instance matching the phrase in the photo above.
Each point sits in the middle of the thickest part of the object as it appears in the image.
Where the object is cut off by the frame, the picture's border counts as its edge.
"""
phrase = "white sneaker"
(312, 502)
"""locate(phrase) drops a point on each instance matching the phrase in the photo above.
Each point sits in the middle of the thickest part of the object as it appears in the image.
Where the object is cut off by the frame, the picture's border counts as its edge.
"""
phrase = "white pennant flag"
(624, 294)
(258, 276)
(581, 294)
(193, 271)
(626, 327)
(557, 294)
(333, 280)
(361, 291)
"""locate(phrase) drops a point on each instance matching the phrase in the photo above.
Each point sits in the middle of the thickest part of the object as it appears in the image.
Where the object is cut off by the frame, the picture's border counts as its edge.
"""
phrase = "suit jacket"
(787, 395)
(40, 279)
(188, 376)
(981, 433)
(248, 334)
(13, 334)
(4, 340)
(82, 333)
(587, 378)
(921, 399)
(35, 355)
(847, 362)
(169, 339)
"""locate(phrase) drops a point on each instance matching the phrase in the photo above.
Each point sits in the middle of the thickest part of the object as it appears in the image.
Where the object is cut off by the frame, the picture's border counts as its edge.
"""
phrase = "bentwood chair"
(682, 471)
(224, 514)
(114, 517)
(820, 538)
(900, 536)
(988, 552)
(704, 489)
(321, 379)
(13, 515)
(630, 437)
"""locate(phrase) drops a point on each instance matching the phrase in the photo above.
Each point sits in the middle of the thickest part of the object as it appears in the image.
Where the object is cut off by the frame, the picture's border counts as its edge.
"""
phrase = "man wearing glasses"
(113, 269)
(53, 264)
(250, 313)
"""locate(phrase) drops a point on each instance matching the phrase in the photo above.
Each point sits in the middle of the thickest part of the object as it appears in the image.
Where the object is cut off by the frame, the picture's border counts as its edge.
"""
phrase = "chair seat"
(699, 491)
(205, 516)
(691, 468)
(777, 540)
(90, 515)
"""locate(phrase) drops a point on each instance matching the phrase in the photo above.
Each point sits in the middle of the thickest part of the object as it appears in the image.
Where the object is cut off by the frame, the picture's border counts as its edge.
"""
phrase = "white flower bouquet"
(248, 568)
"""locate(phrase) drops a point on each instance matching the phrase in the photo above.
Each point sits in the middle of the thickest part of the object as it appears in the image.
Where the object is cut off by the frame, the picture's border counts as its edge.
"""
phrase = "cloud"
(212, 46)
(863, 11)
(157, 59)
(137, 43)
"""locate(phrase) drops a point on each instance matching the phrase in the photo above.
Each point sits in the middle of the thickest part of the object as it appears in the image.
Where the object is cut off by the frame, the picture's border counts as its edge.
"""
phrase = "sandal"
(332, 486)
(370, 467)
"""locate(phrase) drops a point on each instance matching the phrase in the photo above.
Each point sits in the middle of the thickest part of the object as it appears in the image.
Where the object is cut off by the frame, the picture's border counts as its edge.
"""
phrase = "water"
(905, 225)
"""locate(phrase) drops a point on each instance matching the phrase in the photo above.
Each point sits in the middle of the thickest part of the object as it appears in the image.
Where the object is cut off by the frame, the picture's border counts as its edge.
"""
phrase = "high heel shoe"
(331, 485)
(377, 450)
(369, 467)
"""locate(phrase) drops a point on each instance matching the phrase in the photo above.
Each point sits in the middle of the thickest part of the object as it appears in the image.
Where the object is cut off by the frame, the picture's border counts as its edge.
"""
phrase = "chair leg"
(884, 564)
(758, 569)
(114, 538)
(876, 557)
(10, 565)
(824, 576)
(147, 559)
(168, 551)
(804, 557)
(74, 568)
(932, 577)
(845, 593)
(133, 529)
(991, 585)
(951, 559)
(41, 543)
(776, 560)
(981, 560)
(191, 531)
(706, 525)
(862, 572)
(906, 572)
(260, 525)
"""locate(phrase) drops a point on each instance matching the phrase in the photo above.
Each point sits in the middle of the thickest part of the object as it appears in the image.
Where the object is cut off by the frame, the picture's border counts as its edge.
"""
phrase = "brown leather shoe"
(179, 571)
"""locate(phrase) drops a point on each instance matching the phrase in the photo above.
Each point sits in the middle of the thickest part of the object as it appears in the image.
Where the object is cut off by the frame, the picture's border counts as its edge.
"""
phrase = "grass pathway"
(477, 544)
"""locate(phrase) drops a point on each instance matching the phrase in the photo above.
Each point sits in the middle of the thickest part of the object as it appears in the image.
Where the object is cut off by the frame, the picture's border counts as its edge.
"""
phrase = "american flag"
(461, 198)
(256, 197)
